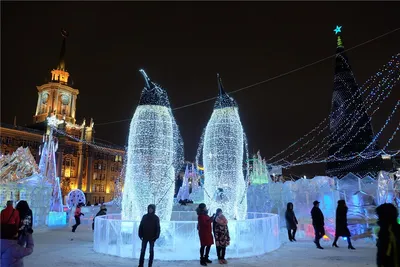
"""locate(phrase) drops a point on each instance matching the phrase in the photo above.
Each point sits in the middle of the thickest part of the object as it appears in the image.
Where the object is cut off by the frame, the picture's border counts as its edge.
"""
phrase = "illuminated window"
(67, 167)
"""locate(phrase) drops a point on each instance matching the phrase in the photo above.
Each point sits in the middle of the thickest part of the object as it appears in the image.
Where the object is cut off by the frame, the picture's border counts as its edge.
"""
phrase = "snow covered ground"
(54, 248)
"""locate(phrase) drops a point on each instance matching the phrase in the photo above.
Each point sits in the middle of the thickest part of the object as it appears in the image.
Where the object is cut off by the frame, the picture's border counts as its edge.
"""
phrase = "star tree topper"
(338, 29)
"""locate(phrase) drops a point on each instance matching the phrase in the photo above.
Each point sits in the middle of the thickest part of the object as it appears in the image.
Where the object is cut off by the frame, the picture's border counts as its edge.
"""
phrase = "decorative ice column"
(47, 166)
(48, 169)
(183, 193)
(223, 152)
(153, 146)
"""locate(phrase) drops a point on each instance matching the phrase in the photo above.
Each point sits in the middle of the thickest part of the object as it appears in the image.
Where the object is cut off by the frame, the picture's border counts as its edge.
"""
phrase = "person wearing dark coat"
(341, 224)
(101, 212)
(318, 223)
(25, 225)
(291, 222)
(205, 233)
(149, 232)
(388, 242)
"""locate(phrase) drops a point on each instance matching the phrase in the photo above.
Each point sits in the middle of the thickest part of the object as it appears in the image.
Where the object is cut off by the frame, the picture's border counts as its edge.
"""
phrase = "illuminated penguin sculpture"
(223, 159)
(155, 151)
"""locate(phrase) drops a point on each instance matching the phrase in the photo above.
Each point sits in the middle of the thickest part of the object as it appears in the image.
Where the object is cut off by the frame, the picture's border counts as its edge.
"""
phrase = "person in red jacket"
(9, 215)
(77, 216)
(205, 233)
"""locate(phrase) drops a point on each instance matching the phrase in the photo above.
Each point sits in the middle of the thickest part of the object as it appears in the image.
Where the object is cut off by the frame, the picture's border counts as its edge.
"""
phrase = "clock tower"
(57, 97)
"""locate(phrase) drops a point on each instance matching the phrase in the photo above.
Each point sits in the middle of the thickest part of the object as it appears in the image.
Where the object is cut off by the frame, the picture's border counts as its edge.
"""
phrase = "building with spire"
(350, 129)
(93, 169)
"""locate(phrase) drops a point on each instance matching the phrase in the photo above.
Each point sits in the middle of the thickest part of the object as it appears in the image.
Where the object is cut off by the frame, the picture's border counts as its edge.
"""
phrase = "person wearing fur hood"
(221, 235)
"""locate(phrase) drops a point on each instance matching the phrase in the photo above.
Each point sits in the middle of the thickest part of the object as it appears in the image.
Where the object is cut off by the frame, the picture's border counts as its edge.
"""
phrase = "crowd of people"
(16, 234)
(388, 244)
(318, 223)
(17, 230)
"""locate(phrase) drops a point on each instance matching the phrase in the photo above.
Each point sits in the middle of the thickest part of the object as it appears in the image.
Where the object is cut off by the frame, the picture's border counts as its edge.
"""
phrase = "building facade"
(82, 163)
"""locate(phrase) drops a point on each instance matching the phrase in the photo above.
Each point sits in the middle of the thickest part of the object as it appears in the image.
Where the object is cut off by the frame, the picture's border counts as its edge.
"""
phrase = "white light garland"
(223, 152)
(384, 79)
(152, 152)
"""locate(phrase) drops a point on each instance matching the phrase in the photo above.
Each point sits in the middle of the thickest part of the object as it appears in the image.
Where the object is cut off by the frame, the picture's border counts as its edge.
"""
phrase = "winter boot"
(294, 235)
(318, 245)
(203, 261)
(350, 245)
(335, 242)
(207, 260)
(290, 235)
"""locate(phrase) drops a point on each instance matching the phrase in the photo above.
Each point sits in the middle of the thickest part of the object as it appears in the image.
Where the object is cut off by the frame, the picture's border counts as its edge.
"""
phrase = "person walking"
(291, 222)
(101, 212)
(149, 232)
(12, 253)
(77, 216)
(388, 242)
(341, 224)
(318, 223)
(26, 219)
(204, 227)
(221, 235)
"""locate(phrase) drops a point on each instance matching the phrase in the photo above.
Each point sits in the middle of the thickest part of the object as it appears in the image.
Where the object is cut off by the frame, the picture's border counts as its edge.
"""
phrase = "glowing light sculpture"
(154, 150)
(223, 158)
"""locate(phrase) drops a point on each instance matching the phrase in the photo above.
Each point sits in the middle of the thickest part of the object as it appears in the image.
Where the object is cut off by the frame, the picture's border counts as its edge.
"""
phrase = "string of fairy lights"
(347, 120)
(364, 88)
(343, 130)
(314, 158)
(382, 82)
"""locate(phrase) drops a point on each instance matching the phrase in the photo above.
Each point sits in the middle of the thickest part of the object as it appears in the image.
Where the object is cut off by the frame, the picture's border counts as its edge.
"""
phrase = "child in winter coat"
(11, 252)
(221, 235)
(389, 236)
(205, 233)
(291, 222)
(77, 216)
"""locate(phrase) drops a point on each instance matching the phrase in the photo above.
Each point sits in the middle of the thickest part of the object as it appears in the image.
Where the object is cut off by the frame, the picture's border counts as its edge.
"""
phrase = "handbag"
(8, 231)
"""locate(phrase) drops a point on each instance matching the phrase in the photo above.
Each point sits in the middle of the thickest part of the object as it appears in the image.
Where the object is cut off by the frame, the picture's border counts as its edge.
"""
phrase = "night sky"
(182, 45)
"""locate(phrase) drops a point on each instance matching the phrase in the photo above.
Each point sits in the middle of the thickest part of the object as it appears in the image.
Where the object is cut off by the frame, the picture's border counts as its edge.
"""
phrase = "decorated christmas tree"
(348, 121)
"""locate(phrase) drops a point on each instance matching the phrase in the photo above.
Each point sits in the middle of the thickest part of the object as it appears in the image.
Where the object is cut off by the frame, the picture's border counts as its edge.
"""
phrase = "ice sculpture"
(153, 148)
(385, 188)
(183, 193)
(223, 150)
(47, 166)
(259, 173)
(20, 180)
(179, 240)
(18, 165)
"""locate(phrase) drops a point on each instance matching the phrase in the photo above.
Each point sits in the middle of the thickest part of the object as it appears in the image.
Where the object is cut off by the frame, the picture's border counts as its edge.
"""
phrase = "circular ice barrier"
(179, 239)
